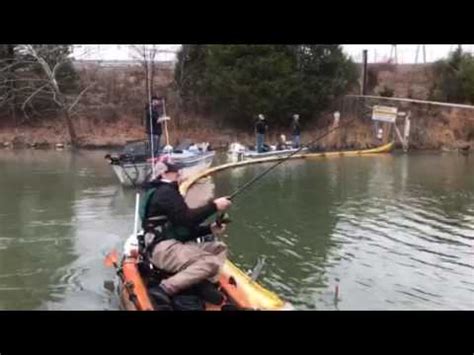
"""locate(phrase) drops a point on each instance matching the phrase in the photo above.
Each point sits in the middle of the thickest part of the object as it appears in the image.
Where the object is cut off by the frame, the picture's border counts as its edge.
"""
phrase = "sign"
(384, 114)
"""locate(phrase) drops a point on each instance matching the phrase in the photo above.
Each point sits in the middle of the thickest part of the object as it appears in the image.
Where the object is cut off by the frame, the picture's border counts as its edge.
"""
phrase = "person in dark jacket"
(175, 228)
(154, 117)
(260, 129)
(296, 130)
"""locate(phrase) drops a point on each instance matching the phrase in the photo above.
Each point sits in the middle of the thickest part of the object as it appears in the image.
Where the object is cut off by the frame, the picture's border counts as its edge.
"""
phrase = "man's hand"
(218, 231)
(222, 203)
(164, 118)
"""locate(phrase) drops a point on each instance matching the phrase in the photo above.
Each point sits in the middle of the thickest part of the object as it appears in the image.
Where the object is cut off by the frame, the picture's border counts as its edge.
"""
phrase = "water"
(393, 231)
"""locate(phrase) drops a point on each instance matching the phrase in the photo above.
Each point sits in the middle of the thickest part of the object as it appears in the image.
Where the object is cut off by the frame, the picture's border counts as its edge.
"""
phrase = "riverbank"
(111, 113)
(432, 128)
(115, 136)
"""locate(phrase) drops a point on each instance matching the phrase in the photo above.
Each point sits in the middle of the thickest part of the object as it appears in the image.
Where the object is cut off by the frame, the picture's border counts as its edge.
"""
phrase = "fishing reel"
(222, 218)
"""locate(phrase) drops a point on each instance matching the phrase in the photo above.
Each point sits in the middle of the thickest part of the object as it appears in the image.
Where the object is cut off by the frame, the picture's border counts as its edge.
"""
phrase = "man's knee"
(220, 247)
(212, 265)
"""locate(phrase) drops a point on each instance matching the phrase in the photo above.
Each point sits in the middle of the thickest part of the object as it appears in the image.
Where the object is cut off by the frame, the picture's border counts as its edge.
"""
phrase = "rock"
(19, 142)
(465, 146)
(42, 145)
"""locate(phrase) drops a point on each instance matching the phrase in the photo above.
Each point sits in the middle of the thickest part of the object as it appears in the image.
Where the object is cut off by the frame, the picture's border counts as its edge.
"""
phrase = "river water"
(390, 231)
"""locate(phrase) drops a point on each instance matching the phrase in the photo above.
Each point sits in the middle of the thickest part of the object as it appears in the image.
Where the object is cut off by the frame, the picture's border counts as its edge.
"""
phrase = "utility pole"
(423, 48)
(364, 72)
(393, 53)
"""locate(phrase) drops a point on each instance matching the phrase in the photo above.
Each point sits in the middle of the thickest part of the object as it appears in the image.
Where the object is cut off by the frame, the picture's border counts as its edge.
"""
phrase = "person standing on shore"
(296, 130)
(260, 129)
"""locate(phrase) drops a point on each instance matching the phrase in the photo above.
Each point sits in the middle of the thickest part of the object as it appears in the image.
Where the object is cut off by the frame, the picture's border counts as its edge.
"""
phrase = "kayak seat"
(193, 298)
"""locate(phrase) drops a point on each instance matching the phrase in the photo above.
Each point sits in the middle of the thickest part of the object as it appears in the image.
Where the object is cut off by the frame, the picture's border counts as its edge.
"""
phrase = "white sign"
(384, 114)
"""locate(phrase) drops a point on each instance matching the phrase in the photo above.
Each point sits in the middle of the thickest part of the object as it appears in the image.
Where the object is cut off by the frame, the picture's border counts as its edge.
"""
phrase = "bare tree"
(146, 55)
(42, 83)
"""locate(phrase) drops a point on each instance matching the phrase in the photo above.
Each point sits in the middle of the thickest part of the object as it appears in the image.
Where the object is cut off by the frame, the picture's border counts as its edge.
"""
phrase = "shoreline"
(52, 135)
(8, 146)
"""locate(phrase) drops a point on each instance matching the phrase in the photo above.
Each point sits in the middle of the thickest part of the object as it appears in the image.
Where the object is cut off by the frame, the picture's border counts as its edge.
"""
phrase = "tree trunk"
(143, 118)
(11, 87)
(152, 77)
(70, 128)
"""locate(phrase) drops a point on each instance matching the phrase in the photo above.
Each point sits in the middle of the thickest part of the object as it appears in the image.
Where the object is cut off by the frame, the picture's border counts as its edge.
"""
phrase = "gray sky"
(406, 52)
(376, 52)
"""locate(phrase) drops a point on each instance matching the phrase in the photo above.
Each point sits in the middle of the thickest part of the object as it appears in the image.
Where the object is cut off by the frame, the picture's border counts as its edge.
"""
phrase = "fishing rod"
(249, 183)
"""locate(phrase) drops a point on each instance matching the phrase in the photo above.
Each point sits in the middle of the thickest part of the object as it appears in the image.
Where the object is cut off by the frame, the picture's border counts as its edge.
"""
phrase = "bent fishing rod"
(249, 183)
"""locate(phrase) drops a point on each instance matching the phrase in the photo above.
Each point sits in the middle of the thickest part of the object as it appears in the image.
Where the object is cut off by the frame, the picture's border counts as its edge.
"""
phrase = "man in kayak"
(154, 116)
(296, 130)
(260, 129)
(172, 231)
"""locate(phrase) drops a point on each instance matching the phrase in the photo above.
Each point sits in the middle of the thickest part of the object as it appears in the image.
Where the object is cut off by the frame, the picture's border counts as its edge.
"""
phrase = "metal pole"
(165, 123)
(150, 111)
(137, 205)
(364, 72)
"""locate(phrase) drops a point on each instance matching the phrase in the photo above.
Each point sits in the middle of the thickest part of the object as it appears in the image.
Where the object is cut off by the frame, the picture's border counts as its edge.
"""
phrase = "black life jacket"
(158, 228)
(153, 227)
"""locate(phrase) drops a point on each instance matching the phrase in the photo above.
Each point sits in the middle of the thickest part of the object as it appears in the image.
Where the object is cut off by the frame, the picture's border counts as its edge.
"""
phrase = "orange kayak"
(236, 287)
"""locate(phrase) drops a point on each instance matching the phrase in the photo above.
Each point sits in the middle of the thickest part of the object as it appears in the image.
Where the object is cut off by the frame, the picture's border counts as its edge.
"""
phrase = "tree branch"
(31, 96)
(55, 98)
(79, 97)
(56, 67)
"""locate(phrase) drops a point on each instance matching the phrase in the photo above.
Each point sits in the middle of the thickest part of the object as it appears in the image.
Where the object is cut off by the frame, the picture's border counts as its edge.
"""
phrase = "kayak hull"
(237, 287)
